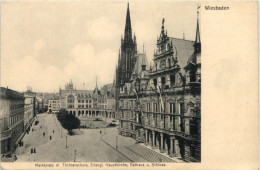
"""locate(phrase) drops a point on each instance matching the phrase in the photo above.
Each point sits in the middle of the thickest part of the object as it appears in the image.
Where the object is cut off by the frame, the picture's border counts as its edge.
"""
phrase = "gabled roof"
(184, 49)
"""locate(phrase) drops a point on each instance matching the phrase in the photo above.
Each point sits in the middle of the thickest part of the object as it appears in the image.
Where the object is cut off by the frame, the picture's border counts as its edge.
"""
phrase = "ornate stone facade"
(84, 103)
(161, 106)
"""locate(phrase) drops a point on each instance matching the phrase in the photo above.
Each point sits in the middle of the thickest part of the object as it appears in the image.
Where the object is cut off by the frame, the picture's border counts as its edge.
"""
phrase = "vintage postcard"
(129, 85)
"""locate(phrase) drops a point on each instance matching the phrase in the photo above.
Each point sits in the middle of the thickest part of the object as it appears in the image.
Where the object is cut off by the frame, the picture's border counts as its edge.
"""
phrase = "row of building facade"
(84, 103)
(17, 112)
(159, 104)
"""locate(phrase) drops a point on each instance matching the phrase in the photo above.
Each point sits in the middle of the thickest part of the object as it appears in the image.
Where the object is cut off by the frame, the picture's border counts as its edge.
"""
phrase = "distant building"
(84, 103)
(39, 105)
(32, 95)
(11, 119)
(54, 106)
(28, 111)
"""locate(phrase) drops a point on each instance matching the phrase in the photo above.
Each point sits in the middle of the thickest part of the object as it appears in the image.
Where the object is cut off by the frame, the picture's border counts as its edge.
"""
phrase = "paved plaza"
(87, 143)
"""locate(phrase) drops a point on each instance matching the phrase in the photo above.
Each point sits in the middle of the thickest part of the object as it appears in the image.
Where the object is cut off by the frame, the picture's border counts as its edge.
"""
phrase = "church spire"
(128, 28)
(197, 44)
(197, 39)
(96, 88)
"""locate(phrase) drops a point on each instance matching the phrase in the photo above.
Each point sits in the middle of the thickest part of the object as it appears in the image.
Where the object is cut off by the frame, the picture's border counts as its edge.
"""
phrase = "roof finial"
(198, 7)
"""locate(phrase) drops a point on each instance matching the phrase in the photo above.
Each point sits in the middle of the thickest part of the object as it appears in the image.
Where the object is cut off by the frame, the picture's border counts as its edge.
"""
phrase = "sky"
(46, 44)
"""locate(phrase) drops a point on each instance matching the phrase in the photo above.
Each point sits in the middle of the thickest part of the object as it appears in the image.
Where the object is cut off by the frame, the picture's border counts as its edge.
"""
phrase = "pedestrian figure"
(31, 150)
(100, 132)
(43, 134)
(50, 137)
(53, 131)
(22, 143)
(34, 150)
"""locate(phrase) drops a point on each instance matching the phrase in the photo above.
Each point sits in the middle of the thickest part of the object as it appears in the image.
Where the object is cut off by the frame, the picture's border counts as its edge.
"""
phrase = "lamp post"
(75, 155)
(116, 142)
(66, 142)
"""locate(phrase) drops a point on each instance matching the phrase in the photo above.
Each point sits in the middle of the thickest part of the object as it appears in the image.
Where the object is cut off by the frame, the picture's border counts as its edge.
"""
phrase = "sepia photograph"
(117, 85)
(101, 82)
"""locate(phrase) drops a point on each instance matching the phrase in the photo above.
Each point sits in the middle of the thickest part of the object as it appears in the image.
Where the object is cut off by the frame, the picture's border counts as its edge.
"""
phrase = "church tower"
(127, 55)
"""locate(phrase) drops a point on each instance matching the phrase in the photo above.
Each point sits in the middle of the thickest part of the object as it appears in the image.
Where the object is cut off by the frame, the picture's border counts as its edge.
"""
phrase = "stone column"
(165, 145)
(161, 149)
(171, 124)
(153, 143)
(146, 136)
(157, 141)
(152, 122)
(150, 140)
(171, 146)
(177, 148)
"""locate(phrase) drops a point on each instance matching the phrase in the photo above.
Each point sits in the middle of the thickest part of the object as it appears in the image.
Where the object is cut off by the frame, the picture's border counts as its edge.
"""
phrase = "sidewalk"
(136, 152)
(111, 135)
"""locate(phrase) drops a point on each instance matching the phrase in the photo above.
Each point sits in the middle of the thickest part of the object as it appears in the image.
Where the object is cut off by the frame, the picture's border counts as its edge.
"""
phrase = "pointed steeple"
(128, 28)
(162, 31)
(197, 44)
(197, 39)
(96, 88)
(143, 65)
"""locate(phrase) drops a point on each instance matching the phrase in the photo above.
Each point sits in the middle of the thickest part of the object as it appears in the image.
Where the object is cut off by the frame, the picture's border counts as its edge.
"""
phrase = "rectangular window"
(155, 107)
(148, 106)
(181, 108)
(172, 108)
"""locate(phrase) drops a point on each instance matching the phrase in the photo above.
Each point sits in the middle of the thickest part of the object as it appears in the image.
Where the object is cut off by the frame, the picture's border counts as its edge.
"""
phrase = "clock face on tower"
(162, 64)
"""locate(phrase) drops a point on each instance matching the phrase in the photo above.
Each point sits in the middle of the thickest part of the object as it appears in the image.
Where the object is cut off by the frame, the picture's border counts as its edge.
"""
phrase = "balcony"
(6, 134)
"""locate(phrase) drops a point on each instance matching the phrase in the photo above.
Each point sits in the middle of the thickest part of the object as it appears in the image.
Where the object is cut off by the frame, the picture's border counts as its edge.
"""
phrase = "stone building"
(160, 106)
(28, 111)
(83, 103)
(30, 94)
(11, 119)
(54, 106)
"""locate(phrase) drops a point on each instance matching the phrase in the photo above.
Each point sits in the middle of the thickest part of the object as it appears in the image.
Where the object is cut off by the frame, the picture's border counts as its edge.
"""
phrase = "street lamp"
(66, 142)
(75, 155)
(60, 132)
(116, 142)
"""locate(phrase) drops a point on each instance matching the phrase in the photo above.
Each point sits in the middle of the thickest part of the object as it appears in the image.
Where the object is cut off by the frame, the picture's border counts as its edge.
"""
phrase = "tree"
(68, 121)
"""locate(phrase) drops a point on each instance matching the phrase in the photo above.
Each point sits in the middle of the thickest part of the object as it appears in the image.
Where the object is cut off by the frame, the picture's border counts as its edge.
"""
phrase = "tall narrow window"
(163, 81)
(155, 82)
(172, 79)
(172, 108)
(181, 108)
